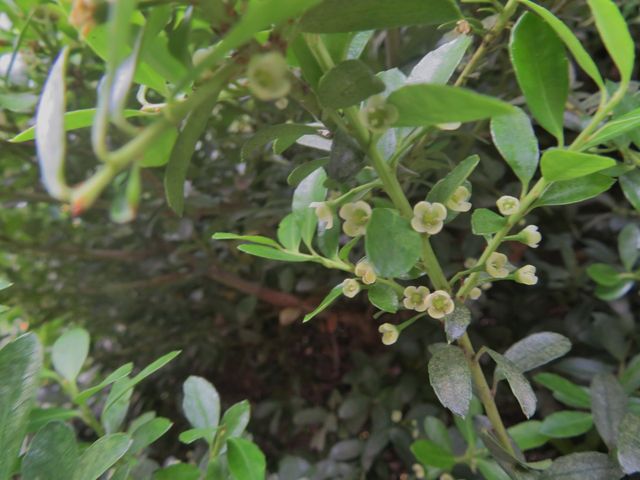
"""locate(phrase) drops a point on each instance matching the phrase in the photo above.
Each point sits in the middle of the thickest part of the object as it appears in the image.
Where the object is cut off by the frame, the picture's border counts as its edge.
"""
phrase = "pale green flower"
(356, 216)
(378, 115)
(415, 298)
(390, 333)
(526, 275)
(428, 217)
(323, 212)
(508, 205)
(496, 265)
(350, 287)
(366, 271)
(458, 202)
(396, 416)
(439, 304)
(268, 76)
(475, 293)
(531, 236)
(418, 471)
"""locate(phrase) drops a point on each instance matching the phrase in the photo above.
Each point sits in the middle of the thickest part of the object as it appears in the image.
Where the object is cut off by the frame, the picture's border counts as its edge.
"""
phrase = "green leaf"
(527, 435)
(608, 405)
(247, 238)
(201, 403)
(491, 470)
(348, 83)
(604, 274)
(583, 466)
(520, 386)
(309, 190)
(426, 105)
(630, 378)
(438, 66)
(629, 444)
(433, 455)
(570, 40)
(516, 141)
(52, 454)
(236, 419)
(450, 378)
(101, 456)
(70, 352)
(272, 253)
(333, 16)
(630, 183)
(383, 297)
(560, 165)
(615, 35)
(20, 363)
(392, 246)
(189, 436)
(282, 136)
(576, 190)
(289, 233)
(328, 300)
(486, 222)
(39, 417)
(629, 245)
(626, 123)
(437, 432)
(566, 424)
(303, 171)
(444, 188)
(329, 238)
(18, 102)
(49, 130)
(159, 153)
(75, 120)
(149, 433)
(246, 461)
(117, 406)
(456, 323)
(113, 377)
(542, 71)
(537, 349)
(178, 471)
(564, 391)
(345, 159)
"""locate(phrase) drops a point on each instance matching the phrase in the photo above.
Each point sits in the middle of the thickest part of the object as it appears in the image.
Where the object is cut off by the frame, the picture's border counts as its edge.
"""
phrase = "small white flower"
(526, 275)
(428, 217)
(439, 304)
(268, 76)
(396, 416)
(508, 205)
(418, 470)
(390, 333)
(459, 200)
(415, 298)
(356, 216)
(323, 212)
(475, 293)
(496, 265)
(366, 271)
(531, 236)
(350, 287)
(470, 262)
(486, 286)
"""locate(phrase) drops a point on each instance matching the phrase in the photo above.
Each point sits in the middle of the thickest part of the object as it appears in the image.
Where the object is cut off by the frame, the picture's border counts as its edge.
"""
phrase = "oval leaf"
(560, 165)
(575, 190)
(201, 403)
(101, 456)
(608, 405)
(246, 461)
(70, 352)
(53, 454)
(537, 349)
(450, 378)
(519, 385)
(438, 65)
(629, 444)
(566, 424)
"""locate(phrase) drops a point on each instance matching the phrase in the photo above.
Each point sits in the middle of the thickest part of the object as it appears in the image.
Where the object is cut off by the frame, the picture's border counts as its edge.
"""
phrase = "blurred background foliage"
(327, 392)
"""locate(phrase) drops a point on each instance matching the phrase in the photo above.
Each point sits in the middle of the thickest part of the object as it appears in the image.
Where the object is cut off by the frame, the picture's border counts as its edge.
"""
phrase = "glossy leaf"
(101, 456)
(392, 246)
(325, 303)
(201, 403)
(560, 165)
(565, 391)
(613, 129)
(49, 130)
(608, 405)
(20, 363)
(542, 71)
(52, 454)
(629, 444)
(516, 141)
(456, 323)
(444, 188)
(69, 353)
(520, 386)
(333, 16)
(450, 378)
(583, 466)
(433, 455)
(289, 233)
(426, 105)
(566, 424)
(347, 84)
(615, 35)
(246, 461)
(383, 297)
(236, 418)
(575, 190)
(438, 66)
(486, 222)
(537, 349)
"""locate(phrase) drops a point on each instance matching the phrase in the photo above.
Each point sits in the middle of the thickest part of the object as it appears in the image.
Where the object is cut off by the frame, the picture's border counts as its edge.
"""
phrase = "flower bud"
(396, 416)
(415, 298)
(366, 271)
(496, 265)
(390, 333)
(526, 275)
(439, 304)
(531, 236)
(323, 212)
(475, 293)
(428, 217)
(418, 471)
(458, 201)
(508, 205)
(350, 287)
(268, 76)
(378, 115)
(356, 216)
